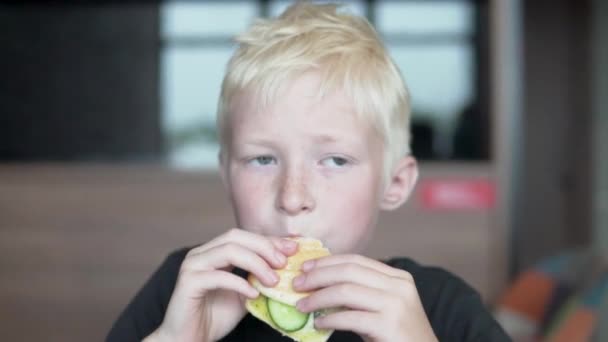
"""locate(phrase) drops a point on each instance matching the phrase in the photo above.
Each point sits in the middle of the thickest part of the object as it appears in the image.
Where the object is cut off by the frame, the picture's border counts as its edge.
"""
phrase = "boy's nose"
(294, 197)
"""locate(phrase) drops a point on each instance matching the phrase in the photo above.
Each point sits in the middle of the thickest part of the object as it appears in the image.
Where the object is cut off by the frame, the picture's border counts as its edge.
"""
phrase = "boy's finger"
(203, 281)
(288, 247)
(320, 277)
(360, 322)
(353, 296)
(261, 245)
(232, 254)
(355, 259)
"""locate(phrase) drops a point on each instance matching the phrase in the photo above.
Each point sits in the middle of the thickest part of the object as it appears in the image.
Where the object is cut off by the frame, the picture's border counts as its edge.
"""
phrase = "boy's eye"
(335, 162)
(263, 160)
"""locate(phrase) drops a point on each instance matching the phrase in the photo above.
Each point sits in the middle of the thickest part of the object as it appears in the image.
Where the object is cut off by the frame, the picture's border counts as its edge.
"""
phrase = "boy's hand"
(381, 303)
(208, 300)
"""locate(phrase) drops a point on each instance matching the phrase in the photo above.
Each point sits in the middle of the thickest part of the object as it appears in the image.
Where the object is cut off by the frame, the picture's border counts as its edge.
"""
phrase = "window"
(433, 42)
(197, 45)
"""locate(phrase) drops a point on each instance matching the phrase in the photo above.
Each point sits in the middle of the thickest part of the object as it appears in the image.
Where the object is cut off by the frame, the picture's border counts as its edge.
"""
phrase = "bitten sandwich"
(276, 305)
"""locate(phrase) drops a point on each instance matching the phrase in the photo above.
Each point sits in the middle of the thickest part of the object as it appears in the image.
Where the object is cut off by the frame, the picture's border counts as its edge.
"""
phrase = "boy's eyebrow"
(260, 142)
(320, 139)
(325, 138)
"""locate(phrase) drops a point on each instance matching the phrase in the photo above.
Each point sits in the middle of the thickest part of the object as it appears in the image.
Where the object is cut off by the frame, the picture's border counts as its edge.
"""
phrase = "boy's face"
(304, 167)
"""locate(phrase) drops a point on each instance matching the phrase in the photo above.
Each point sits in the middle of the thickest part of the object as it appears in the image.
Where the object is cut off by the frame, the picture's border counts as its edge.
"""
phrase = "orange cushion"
(529, 295)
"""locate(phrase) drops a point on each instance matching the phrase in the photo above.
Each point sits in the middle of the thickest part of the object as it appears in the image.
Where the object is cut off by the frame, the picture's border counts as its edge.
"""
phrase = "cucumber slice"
(286, 317)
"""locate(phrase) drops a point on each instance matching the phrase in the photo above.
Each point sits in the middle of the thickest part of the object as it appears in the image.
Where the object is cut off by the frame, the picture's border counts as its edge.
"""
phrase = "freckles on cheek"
(362, 212)
(358, 212)
(248, 197)
(243, 192)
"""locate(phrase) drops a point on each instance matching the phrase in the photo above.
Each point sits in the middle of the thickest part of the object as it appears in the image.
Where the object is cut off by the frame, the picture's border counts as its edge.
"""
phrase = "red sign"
(460, 194)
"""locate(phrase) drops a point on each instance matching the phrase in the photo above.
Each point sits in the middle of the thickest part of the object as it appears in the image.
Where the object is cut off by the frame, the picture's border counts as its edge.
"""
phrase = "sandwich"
(276, 306)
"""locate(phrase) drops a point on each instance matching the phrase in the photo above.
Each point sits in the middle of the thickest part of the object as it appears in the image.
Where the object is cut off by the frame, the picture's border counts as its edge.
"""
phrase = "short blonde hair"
(347, 52)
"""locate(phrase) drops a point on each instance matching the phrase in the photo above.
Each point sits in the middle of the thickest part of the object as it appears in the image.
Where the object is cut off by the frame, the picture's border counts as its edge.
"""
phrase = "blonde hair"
(345, 50)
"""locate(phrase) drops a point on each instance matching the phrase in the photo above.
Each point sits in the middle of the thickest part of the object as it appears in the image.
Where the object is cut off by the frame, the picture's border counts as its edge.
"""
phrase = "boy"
(314, 126)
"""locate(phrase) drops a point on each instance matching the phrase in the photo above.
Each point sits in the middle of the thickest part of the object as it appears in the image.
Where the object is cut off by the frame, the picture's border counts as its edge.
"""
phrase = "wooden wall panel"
(76, 242)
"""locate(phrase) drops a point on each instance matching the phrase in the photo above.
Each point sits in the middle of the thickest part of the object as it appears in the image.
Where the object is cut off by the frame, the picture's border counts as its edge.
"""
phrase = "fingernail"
(278, 256)
(289, 244)
(298, 281)
(308, 265)
(301, 305)
(273, 277)
(253, 293)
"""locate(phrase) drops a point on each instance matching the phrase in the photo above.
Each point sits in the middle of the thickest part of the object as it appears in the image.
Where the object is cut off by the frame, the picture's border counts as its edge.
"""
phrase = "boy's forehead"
(302, 92)
(258, 127)
(330, 114)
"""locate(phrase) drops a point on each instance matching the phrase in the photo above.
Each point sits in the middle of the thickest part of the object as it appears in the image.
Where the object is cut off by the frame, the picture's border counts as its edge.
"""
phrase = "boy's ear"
(400, 184)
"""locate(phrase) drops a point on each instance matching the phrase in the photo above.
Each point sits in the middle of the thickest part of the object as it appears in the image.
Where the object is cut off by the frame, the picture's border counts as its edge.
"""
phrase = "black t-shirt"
(454, 309)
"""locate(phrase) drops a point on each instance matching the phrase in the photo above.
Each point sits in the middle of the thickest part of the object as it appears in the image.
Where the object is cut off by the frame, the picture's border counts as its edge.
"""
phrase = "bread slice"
(283, 292)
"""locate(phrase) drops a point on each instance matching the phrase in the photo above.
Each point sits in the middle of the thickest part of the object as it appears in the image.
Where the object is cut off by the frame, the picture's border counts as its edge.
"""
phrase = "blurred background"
(108, 146)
